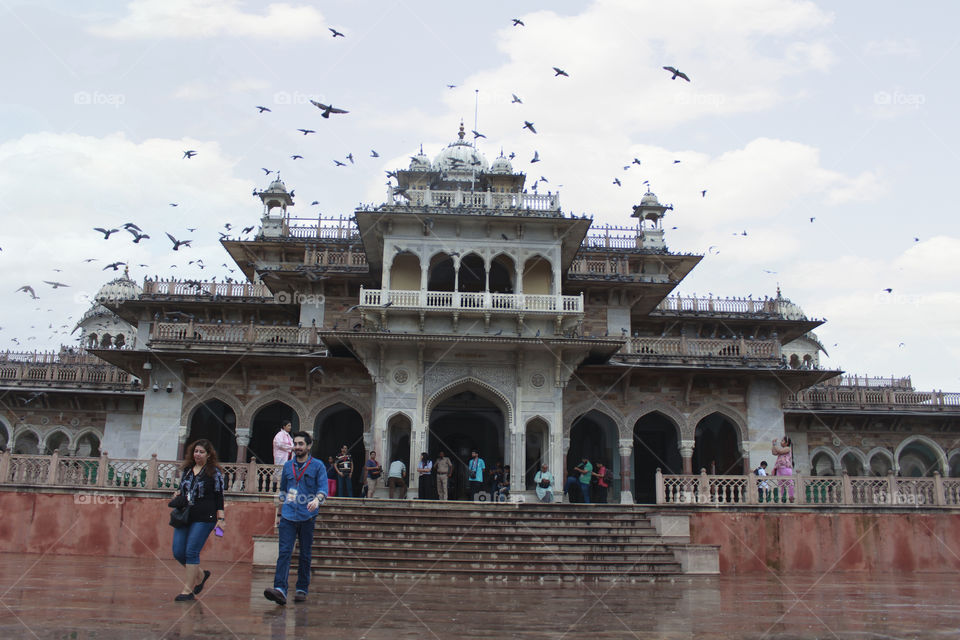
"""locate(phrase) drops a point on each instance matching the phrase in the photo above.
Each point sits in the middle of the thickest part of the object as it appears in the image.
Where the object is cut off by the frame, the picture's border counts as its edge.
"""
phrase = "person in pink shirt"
(283, 444)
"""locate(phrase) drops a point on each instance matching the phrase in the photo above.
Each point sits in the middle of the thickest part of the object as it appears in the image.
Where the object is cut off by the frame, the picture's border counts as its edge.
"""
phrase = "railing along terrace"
(336, 258)
(66, 355)
(807, 491)
(123, 473)
(865, 397)
(195, 288)
(61, 369)
(749, 306)
(322, 228)
(682, 346)
(613, 237)
(476, 200)
(215, 333)
(470, 301)
(904, 383)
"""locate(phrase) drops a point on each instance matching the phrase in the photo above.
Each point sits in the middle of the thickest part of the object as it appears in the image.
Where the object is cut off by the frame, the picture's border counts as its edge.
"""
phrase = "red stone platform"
(83, 597)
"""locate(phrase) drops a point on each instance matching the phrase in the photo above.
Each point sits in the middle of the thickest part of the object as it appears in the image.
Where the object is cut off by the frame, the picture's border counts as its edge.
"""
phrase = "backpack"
(608, 475)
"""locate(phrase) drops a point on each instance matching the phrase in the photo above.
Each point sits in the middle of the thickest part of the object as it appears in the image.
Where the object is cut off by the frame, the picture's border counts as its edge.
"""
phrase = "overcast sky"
(840, 112)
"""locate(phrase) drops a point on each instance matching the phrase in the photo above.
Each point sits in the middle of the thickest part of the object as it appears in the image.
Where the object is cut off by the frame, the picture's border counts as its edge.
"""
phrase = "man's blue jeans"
(287, 532)
(189, 540)
(344, 486)
(586, 492)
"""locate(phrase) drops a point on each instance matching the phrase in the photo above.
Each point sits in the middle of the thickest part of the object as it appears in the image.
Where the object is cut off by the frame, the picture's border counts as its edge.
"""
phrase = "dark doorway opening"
(217, 422)
(654, 446)
(334, 427)
(716, 447)
(459, 424)
(266, 424)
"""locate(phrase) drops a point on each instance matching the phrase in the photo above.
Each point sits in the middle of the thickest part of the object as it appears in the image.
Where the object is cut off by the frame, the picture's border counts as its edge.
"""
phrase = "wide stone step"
(488, 528)
(468, 520)
(493, 545)
(531, 567)
(449, 537)
(502, 575)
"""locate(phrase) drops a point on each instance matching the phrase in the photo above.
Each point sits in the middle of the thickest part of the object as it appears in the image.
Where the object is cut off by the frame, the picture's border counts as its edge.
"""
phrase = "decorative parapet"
(203, 334)
(765, 307)
(807, 491)
(861, 398)
(460, 301)
(683, 349)
(198, 289)
(62, 369)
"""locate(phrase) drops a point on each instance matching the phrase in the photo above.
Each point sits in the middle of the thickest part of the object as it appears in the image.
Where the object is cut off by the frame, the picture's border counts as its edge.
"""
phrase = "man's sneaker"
(300, 596)
(275, 595)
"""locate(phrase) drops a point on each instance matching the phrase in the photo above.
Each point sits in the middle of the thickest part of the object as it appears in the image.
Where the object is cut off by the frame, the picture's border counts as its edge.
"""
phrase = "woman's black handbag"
(545, 483)
(180, 512)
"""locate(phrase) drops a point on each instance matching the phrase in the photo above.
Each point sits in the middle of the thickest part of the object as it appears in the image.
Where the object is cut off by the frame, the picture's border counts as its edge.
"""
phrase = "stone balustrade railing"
(471, 301)
(807, 491)
(194, 288)
(86, 370)
(476, 200)
(220, 333)
(111, 473)
(690, 348)
(747, 306)
(904, 383)
(865, 397)
(336, 258)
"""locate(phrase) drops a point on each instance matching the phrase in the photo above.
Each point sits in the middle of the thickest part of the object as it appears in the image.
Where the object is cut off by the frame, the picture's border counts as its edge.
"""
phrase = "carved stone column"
(686, 453)
(243, 441)
(181, 441)
(626, 450)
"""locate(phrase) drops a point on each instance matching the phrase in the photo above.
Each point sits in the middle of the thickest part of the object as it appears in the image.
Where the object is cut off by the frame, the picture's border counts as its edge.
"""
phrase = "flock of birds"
(138, 235)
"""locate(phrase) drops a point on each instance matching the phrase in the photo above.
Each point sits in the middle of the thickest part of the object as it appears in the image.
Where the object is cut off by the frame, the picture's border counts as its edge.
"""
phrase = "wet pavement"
(79, 597)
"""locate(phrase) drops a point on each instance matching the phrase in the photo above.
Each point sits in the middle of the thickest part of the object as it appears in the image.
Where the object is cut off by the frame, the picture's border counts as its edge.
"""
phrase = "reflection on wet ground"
(106, 598)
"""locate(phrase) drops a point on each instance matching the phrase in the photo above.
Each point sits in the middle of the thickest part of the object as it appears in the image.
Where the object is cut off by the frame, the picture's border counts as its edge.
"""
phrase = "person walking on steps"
(303, 488)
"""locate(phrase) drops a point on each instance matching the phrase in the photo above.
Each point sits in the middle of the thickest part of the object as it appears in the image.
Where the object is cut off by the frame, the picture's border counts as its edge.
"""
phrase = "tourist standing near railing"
(202, 483)
(283, 444)
(784, 464)
(303, 488)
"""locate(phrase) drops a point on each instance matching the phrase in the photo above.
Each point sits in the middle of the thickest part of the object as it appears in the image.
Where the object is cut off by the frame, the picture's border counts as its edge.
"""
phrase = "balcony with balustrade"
(720, 352)
(847, 398)
(472, 202)
(232, 338)
(173, 289)
(64, 371)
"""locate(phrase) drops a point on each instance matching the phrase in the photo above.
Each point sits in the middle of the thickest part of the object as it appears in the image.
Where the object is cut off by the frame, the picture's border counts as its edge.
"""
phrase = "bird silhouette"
(334, 33)
(536, 156)
(247, 229)
(327, 109)
(350, 157)
(137, 236)
(306, 131)
(106, 232)
(515, 99)
(636, 161)
(504, 236)
(616, 181)
(529, 125)
(677, 74)
(28, 289)
(178, 243)
(262, 109)
(374, 154)
(557, 71)
(189, 153)
(888, 290)
(498, 332)
(703, 194)
(296, 157)
(517, 22)
(115, 266)
(388, 304)
(339, 164)
(477, 134)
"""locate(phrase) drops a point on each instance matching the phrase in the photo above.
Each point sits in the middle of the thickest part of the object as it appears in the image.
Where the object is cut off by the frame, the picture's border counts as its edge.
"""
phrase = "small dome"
(277, 185)
(420, 162)
(461, 157)
(649, 199)
(501, 165)
(119, 289)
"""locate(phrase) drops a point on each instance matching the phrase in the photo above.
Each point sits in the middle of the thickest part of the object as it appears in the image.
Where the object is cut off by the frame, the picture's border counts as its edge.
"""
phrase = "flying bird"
(174, 204)
(703, 194)
(477, 134)
(339, 164)
(306, 131)
(529, 125)
(115, 266)
(178, 243)
(813, 218)
(676, 162)
(616, 181)
(677, 74)
(888, 290)
(28, 289)
(296, 157)
(262, 109)
(636, 161)
(266, 171)
(536, 157)
(517, 22)
(374, 154)
(130, 225)
(515, 99)
(189, 153)
(335, 33)
(327, 109)
(557, 71)
(137, 236)
(106, 232)
(247, 229)
(350, 157)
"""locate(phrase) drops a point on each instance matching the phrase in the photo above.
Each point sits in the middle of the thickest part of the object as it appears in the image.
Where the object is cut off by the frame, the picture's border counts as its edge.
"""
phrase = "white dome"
(119, 289)
(501, 165)
(277, 185)
(649, 199)
(420, 162)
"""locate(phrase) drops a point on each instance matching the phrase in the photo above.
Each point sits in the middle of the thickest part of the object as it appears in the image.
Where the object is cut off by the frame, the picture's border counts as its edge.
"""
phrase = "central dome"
(119, 289)
(461, 157)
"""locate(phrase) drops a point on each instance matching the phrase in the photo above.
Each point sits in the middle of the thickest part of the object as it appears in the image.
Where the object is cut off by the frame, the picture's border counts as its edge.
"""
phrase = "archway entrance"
(217, 422)
(88, 446)
(917, 460)
(594, 436)
(654, 446)
(27, 443)
(334, 427)
(266, 424)
(851, 464)
(58, 441)
(461, 423)
(716, 446)
(538, 438)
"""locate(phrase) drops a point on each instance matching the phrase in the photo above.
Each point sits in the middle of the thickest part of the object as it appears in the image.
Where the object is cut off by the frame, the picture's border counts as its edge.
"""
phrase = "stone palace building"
(466, 312)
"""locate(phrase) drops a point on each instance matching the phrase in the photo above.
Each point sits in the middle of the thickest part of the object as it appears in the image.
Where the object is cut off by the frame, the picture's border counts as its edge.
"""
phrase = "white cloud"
(212, 18)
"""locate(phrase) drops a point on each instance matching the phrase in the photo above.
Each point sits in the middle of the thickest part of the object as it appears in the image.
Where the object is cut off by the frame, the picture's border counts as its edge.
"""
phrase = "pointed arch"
(827, 453)
(26, 431)
(470, 384)
(880, 452)
(935, 449)
(270, 397)
(339, 397)
(197, 400)
(668, 411)
(48, 440)
(571, 414)
(725, 410)
(88, 431)
(857, 454)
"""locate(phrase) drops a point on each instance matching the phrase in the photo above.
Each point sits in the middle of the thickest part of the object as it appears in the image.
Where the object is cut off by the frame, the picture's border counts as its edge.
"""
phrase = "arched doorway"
(398, 438)
(339, 425)
(881, 463)
(537, 450)
(851, 464)
(654, 446)
(594, 436)
(440, 276)
(918, 459)
(502, 273)
(4, 435)
(58, 441)
(217, 422)
(266, 424)
(463, 422)
(472, 276)
(88, 446)
(822, 464)
(716, 446)
(27, 443)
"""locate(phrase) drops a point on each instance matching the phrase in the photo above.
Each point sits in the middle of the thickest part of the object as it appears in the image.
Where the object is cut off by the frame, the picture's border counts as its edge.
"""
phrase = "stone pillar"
(563, 468)
(517, 459)
(626, 450)
(418, 442)
(745, 453)
(243, 441)
(686, 454)
(181, 441)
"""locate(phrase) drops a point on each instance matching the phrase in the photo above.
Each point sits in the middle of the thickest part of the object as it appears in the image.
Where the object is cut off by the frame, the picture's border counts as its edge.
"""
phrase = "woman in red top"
(603, 487)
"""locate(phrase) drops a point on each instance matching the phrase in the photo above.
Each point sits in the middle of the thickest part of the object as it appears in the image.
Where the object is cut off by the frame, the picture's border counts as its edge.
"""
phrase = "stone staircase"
(487, 541)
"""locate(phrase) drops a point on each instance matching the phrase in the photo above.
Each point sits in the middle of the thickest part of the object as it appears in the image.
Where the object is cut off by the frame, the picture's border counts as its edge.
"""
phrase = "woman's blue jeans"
(189, 540)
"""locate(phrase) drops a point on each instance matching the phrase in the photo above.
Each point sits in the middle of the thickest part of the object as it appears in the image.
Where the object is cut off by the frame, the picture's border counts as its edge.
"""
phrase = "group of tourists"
(783, 466)
(589, 483)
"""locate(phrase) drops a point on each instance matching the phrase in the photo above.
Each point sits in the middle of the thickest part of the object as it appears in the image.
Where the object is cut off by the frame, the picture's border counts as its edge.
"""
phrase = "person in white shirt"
(544, 484)
(763, 490)
(396, 478)
(424, 477)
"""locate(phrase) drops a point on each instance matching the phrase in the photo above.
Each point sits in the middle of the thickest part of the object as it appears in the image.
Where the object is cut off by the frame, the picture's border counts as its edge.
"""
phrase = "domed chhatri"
(119, 289)
(501, 165)
(460, 159)
(420, 162)
(277, 186)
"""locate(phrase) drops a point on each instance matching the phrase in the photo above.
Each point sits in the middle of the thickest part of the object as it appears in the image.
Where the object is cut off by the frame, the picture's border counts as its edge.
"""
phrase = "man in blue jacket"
(303, 488)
